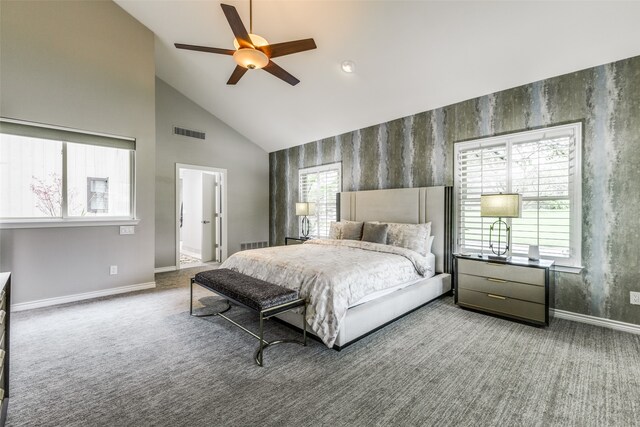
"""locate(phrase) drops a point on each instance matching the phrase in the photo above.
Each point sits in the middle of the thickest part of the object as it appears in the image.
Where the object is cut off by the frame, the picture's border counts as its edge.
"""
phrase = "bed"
(354, 287)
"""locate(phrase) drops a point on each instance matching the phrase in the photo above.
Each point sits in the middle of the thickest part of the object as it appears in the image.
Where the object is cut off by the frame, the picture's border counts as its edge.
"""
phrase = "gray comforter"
(332, 274)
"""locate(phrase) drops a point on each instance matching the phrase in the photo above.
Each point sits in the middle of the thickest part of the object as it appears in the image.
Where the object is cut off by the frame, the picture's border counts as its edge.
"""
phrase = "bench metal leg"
(219, 313)
(261, 339)
(259, 355)
(304, 325)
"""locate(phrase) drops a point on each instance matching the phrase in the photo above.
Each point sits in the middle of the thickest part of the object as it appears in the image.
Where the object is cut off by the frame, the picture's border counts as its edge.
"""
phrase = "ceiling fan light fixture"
(250, 58)
(256, 40)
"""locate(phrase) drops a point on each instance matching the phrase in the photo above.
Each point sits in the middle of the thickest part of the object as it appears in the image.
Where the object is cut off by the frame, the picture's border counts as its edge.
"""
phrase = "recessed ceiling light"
(348, 66)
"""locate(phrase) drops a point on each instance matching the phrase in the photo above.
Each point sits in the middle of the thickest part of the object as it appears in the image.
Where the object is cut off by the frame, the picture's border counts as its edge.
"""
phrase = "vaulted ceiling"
(410, 56)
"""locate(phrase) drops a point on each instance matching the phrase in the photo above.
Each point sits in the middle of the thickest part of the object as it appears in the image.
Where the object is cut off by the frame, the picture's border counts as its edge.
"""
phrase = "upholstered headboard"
(408, 205)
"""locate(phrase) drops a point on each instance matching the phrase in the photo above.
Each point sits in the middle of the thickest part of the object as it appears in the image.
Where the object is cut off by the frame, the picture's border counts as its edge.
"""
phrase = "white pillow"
(410, 236)
(430, 244)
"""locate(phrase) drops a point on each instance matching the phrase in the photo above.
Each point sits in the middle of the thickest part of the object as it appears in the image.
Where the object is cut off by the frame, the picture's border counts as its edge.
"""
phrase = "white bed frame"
(407, 205)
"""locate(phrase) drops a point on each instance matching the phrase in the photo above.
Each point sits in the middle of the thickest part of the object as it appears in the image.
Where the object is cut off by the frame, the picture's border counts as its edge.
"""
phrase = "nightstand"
(296, 239)
(516, 288)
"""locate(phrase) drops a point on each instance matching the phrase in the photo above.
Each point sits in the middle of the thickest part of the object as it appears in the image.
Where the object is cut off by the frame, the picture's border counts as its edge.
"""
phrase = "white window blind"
(319, 185)
(544, 167)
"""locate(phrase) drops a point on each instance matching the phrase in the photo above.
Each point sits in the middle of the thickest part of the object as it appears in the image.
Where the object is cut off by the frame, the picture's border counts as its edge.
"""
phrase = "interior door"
(208, 217)
(218, 217)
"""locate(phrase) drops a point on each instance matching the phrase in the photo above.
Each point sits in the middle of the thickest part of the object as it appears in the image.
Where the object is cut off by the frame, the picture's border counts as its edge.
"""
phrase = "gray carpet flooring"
(141, 360)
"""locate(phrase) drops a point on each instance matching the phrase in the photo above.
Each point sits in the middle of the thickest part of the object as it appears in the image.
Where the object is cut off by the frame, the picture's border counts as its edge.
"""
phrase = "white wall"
(247, 167)
(86, 65)
(191, 232)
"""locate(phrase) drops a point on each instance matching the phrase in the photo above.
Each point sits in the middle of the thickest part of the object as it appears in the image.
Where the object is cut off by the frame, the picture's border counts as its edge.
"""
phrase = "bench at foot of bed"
(262, 297)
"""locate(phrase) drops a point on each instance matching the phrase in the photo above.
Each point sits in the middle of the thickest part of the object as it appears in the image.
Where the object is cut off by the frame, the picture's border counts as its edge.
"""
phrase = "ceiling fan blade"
(236, 75)
(287, 48)
(236, 25)
(205, 49)
(280, 73)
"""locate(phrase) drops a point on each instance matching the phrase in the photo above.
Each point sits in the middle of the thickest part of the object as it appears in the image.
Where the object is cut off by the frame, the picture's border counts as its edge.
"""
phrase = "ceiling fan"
(253, 51)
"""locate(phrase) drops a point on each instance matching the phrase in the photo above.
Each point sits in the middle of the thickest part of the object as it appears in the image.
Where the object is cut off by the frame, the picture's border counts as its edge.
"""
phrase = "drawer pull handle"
(496, 280)
(495, 296)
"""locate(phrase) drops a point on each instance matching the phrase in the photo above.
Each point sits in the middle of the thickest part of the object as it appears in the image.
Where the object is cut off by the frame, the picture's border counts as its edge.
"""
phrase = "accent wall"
(417, 151)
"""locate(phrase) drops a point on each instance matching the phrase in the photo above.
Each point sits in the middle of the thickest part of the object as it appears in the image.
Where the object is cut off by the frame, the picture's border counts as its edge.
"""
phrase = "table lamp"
(303, 209)
(502, 206)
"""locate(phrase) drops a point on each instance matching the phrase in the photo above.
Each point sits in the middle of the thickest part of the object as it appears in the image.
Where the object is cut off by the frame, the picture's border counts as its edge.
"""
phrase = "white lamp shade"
(305, 208)
(501, 205)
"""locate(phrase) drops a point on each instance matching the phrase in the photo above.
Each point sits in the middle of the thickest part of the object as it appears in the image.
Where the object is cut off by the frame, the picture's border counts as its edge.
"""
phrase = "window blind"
(543, 172)
(35, 130)
(481, 170)
(320, 185)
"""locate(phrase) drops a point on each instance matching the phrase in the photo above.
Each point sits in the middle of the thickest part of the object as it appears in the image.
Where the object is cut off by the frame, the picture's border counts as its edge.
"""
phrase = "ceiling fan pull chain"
(251, 16)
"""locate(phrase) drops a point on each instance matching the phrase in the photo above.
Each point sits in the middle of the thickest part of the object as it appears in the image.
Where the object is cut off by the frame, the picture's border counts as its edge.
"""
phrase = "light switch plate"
(634, 298)
(127, 229)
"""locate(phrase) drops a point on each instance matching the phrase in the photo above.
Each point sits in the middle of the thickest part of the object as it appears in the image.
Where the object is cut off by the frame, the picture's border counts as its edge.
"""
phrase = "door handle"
(206, 222)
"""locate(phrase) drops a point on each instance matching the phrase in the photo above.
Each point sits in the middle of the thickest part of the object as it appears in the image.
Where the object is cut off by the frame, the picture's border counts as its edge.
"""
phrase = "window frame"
(67, 135)
(573, 264)
(317, 169)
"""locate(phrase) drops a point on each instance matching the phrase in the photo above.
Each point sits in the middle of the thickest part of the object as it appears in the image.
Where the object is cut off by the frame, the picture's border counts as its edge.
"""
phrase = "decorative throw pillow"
(335, 230)
(376, 233)
(351, 230)
(410, 236)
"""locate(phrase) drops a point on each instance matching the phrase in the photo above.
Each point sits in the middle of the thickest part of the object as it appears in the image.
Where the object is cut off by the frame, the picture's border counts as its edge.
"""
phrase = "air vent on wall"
(188, 133)
(253, 245)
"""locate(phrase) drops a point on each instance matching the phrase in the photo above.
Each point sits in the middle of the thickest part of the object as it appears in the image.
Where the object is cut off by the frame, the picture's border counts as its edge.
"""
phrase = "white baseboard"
(597, 321)
(79, 297)
(165, 269)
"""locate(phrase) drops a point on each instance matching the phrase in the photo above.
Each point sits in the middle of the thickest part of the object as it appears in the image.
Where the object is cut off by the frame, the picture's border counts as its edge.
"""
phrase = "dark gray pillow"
(351, 230)
(375, 233)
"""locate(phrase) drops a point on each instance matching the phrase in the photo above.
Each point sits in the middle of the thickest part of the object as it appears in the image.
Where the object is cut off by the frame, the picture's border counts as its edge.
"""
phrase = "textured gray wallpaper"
(417, 151)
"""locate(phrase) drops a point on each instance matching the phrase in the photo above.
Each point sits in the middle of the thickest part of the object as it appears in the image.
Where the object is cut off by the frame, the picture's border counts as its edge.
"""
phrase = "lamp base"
(305, 227)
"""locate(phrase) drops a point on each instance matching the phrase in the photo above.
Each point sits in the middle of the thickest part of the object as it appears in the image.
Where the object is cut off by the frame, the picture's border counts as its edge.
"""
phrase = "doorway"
(201, 224)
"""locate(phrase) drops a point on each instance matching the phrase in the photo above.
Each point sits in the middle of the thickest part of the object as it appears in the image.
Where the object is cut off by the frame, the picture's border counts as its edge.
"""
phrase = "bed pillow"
(410, 236)
(351, 230)
(335, 230)
(430, 244)
(375, 233)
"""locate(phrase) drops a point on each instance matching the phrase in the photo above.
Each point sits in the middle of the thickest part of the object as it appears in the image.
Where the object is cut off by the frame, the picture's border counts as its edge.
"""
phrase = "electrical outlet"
(127, 229)
(113, 270)
(634, 297)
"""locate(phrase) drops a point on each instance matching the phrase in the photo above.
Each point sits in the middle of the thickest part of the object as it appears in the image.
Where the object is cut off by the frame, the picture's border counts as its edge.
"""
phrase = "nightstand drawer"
(534, 276)
(502, 305)
(501, 287)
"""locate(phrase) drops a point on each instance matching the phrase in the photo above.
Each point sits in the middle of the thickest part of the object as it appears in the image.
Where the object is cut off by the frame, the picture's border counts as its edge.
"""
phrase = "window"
(544, 167)
(319, 185)
(59, 174)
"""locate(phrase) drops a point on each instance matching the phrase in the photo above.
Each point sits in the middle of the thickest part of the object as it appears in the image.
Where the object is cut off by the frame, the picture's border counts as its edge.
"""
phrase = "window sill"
(566, 269)
(61, 223)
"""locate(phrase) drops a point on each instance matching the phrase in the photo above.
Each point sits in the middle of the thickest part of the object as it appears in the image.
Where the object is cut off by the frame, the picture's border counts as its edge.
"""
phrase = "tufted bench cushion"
(253, 293)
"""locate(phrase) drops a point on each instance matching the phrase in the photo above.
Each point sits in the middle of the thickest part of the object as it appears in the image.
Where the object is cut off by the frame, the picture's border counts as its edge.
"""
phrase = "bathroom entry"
(200, 224)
